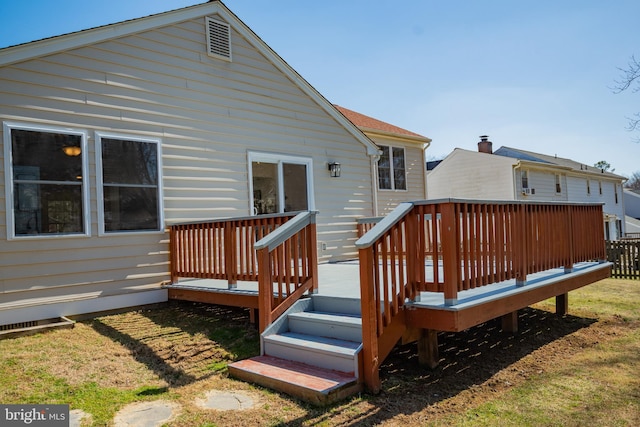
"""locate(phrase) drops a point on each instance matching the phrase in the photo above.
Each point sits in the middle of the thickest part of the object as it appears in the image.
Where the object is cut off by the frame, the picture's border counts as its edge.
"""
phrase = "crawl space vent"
(218, 39)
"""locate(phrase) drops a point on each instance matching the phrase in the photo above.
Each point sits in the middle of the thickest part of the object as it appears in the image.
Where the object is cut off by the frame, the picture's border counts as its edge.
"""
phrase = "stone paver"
(76, 417)
(146, 414)
(226, 400)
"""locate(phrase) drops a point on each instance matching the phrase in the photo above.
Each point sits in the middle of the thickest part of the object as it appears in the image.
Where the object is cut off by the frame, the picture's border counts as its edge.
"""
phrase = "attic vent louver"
(218, 39)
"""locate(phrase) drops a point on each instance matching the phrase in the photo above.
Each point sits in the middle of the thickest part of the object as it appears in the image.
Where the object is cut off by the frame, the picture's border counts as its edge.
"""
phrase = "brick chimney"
(485, 146)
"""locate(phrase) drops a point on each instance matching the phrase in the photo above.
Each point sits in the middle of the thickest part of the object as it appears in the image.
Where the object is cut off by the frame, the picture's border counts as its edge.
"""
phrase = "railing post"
(230, 255)
(520, 246)
(411, 242)
(265, 291)
(568, 267)
(370, 353)
(450, 253)
(313, 256)
(173, 253)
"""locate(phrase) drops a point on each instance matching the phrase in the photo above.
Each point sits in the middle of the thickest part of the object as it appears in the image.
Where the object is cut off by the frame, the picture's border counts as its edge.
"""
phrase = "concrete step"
(328, 353)
(329, 304)
(331, 325)
(312, 384)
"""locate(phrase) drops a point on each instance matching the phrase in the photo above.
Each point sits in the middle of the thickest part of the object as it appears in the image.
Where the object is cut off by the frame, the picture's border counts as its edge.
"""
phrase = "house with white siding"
(401, 175)
(111, 134)
(513, 174)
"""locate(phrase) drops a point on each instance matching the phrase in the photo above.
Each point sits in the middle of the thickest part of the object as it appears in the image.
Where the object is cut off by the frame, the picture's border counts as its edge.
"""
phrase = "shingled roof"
(369, 123)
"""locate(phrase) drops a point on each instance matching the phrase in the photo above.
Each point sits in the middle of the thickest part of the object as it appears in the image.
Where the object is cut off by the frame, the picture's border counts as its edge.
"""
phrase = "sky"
(532, 74)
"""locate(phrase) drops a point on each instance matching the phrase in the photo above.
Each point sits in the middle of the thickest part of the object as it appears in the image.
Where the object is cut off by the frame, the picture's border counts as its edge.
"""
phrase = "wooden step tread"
(316, 343)
(320, 380)
(347, 319)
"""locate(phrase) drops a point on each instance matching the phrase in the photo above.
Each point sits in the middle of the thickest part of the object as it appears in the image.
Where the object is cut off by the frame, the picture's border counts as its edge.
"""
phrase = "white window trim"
(279, 159)
(8, 179)
(393, 181)
(99, 183)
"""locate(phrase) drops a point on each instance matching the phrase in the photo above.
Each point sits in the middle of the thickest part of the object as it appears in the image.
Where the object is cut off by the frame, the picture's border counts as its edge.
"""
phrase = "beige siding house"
(113, 133)
(400, 169)
(513, 174)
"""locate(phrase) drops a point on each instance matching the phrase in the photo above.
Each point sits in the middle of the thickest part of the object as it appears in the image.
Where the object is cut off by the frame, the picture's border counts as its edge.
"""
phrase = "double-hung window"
(391, 169)
(45, 175)
(129, 185)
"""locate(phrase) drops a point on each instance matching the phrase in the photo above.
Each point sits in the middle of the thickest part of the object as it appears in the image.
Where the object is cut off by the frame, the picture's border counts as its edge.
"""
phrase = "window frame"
(524, 178)
(558, 182)
(100, 182)
(7, 128)
(391, 168)
(279, 160)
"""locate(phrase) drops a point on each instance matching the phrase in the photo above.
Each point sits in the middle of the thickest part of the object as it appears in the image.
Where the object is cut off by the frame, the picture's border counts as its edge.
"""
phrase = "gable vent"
(218, 39)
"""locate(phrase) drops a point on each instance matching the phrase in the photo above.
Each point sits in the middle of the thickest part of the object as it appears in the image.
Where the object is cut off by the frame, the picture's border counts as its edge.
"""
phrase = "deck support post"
(510, 322)
(562, 304)
(428, 348)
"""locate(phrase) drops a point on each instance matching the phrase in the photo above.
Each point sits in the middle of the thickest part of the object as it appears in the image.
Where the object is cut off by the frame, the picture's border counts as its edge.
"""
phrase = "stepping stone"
(146, 414)
(225, 400)
(76, 417)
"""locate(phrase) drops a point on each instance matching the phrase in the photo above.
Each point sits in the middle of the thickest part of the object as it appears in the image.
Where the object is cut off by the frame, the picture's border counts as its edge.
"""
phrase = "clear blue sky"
(534, 75)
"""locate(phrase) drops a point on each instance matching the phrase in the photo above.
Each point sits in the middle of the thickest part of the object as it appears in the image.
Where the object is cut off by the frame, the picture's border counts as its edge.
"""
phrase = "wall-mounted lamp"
(334, 169)
(72, 150)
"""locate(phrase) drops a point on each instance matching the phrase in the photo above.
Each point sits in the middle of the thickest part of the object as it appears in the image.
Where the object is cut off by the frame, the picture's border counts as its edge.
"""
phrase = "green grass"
(584, 373)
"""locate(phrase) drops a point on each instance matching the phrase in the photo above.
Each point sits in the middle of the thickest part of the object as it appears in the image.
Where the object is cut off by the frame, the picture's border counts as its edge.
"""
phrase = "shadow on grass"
(185, 342)
(467, 359)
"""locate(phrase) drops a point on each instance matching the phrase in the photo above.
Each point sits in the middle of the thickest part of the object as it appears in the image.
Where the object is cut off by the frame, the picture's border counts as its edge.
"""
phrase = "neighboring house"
(632, 211)
(632, 203)
(111, 133)
(512, 174)
(401, 175)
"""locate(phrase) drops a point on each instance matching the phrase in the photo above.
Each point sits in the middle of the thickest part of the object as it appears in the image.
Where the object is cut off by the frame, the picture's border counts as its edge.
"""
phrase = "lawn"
(580, 369)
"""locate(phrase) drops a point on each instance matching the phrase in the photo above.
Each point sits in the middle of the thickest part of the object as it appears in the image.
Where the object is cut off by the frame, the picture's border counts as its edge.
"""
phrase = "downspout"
(374, 182)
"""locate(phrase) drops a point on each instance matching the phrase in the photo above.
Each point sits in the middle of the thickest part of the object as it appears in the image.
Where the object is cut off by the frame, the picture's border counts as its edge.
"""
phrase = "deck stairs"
(312, 352)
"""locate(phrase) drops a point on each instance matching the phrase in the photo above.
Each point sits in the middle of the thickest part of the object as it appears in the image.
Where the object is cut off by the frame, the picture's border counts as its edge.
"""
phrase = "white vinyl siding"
(163, 85)
(472, 175)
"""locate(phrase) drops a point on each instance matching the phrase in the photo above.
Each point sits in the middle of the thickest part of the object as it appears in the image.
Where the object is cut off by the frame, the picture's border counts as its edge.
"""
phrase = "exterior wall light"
(334, 169)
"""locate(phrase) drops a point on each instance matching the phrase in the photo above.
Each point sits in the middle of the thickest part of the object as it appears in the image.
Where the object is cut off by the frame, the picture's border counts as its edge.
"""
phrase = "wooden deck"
(428, 311)
(429, 266)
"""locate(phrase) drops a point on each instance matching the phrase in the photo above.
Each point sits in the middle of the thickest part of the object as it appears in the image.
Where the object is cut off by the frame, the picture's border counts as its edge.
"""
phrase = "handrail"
(451, 245)
(281, 234)
(287, 266)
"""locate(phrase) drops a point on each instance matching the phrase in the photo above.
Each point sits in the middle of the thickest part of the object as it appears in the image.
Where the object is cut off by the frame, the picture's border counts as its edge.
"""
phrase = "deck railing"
(277, 251)
(451, 245)
(220, 249)
(287, 266)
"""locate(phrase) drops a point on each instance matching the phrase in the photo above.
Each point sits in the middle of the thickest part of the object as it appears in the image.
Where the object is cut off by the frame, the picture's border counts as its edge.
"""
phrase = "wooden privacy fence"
(277, 251)
(450, 246)
(625, 257)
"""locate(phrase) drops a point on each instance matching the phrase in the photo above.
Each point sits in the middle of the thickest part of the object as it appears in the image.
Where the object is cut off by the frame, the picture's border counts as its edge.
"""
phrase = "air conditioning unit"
(526, 191)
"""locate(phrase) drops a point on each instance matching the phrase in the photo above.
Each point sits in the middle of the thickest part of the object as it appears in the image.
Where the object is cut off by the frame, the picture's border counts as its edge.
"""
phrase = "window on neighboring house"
(280, 183)
(129, 185)
(524, 175)
(558, 184)
(391, 169)
(615, 192)
(45, 172)
(588, 188)
(600, 187)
